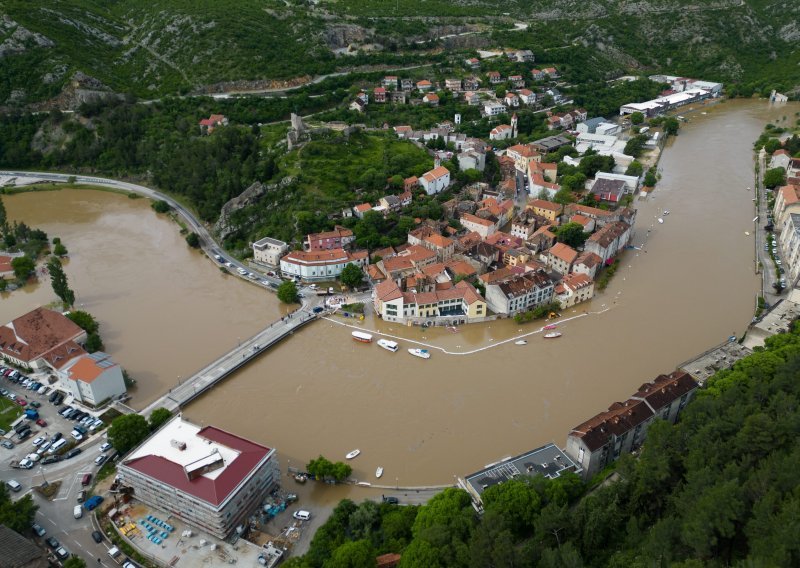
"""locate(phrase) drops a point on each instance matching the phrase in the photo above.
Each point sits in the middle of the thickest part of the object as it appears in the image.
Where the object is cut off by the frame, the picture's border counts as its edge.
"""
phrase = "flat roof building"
(205, 476)
(269, 251)
(547, 460)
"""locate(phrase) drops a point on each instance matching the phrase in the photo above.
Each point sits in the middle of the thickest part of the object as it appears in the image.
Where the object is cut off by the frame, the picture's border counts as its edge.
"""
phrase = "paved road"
(207, 242)
(768, 272)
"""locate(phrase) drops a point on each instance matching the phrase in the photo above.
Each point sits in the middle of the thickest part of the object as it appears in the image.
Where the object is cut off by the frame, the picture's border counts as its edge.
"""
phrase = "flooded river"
(166, 312)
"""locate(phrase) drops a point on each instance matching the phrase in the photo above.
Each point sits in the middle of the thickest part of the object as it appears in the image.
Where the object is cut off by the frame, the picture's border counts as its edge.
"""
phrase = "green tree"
(571, 234)
(287, 292)
(160, 206)
(60, 250)
(3, 216)
(84, 320)
(23, 267)
(93, 343)
(637, 118)
(774, 177)
(634, 169)
(158, 418)
(74, 562)
(563, 197)
(352, 554)
(16, 515)
(671, 126)
(59, 281)
(650, 179)
(127, 432)
(352, 276)
(594, 163)
(517, 501)
(193, 240)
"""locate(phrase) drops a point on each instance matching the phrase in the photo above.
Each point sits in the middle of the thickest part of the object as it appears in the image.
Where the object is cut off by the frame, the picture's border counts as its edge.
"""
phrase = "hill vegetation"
(176, 46)
(717, 489)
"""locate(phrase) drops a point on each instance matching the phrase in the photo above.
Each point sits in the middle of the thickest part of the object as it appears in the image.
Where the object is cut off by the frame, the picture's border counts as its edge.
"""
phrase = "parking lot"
(51, 427)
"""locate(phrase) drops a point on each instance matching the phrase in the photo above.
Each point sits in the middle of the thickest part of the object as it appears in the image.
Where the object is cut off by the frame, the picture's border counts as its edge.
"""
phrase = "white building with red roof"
(435, 180)
(313, 265)
(207, 477)
(574, 289)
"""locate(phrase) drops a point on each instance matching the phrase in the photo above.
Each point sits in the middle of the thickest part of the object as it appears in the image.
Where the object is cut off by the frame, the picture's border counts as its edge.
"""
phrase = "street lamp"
(44, 479)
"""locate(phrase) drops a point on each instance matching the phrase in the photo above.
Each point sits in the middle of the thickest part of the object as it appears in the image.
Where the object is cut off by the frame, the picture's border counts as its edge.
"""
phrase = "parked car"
(62, 553)
(52, 542)
(50, 459)
(8, 444)
(105, 446)
(38, 529)
(41, 422)
(97, 536)
(93, 502)
(21, 401)
(36, 404)
(302, 515)
(81, 496)
(72, 453)
(86, 479)
(39, 441)
(101, 459)
(77, 511)
(391, 500)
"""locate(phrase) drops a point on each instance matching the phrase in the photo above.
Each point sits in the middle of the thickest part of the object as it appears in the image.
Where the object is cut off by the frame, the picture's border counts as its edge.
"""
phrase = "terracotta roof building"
(561, 257)
(321, 264)
(519, 293)
(93, 378)
(454, 305)
(41, 338)
(435, 180)
(623, 427)
(339, 237)
(207, 477)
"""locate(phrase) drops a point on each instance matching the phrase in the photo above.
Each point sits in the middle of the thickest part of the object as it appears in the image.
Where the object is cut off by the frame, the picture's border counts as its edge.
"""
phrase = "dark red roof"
(214, 491)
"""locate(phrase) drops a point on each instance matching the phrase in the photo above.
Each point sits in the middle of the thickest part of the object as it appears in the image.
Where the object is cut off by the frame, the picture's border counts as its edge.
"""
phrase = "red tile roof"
(547, 205)
(436, 173)
(564, 252)
(213, 491)
(41, 333)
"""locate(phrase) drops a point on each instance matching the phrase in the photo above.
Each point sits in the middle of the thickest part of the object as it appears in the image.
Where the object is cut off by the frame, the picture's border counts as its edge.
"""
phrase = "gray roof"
(612, 186)
(593, 123)
(17, 551)
(548, 460)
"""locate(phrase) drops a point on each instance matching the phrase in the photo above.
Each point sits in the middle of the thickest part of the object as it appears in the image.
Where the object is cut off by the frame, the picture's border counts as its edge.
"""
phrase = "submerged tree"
(59, 282)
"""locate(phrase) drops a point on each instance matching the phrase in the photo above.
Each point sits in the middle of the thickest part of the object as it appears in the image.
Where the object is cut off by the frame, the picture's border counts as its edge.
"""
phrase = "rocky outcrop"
(341, 35)
(20, 39)
(225, 227)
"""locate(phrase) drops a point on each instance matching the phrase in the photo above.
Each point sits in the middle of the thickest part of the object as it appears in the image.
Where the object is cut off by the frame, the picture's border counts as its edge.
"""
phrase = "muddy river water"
(166, 311)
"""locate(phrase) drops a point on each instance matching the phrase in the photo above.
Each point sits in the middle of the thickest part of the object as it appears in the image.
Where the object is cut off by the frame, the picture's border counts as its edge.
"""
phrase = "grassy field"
(9, 412)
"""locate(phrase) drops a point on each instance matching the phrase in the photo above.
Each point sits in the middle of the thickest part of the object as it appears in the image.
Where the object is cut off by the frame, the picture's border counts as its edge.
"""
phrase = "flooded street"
(166, 311)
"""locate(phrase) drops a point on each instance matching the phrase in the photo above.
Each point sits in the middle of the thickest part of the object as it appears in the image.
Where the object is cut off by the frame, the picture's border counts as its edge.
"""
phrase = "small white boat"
(666, 211)
(364, 484)
(552, 335)
(362, 337)
(353, 454)
(520, 342)
(378, 472)
(747, 233)
(388, 345)
(422, 353)
(660, 220)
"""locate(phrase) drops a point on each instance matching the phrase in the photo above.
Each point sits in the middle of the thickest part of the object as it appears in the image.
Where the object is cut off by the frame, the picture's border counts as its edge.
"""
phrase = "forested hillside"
(718, 489)
(177, 46)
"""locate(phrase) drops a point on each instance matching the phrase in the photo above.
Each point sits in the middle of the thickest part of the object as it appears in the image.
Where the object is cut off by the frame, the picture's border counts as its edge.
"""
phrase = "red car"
(22, 401)
(42, 422)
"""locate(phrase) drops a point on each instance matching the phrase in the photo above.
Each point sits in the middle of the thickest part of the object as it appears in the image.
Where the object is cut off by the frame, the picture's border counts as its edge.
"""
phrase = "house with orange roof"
(494, 77)
(41, 339)
(587, 263)
(315, 265)
(516, 256)
(207, 125)
(431, 99)
(551, 72)
(424, 85)
(501, 274)
(560, 257)
(484, 227)
(449, 306)
(544, 208)
(460, 268)
(501, 132)
(523, 154)
(403, 131)
(787, 201)
(540, 186)
(573, 289)
(435, 180)
(361, 210)
(468, 241)
(6, 270)
(526, 223)
(93, 378)
(396, 268)
(379, 94)
(780, 159)
(339, 237)
(444, 247)
(622, 428)
(511, 99)
(587, 223)
(546, 170)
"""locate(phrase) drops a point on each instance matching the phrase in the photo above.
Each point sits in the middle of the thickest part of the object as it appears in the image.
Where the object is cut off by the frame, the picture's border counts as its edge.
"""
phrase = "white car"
(302, 515)
(33, 457)
(77, 511)
(77, 435)
(105, 447)
(44, 447)
(26, 464)
(39, 441)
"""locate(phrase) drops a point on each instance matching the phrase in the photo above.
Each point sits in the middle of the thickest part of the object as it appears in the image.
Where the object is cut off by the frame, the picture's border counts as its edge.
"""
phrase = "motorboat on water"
(388, 345)
(660, 220)
(353, 454)
(666, 211)
(422, 353)
(520, 342)
(550, 326)
(552, 335)
(362, 337)
(379, 472)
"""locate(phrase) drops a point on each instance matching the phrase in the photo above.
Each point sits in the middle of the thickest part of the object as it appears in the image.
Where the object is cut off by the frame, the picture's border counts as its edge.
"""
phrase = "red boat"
(551, 326)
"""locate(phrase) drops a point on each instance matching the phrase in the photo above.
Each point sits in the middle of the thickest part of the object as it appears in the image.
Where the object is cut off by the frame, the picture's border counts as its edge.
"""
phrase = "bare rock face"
(341, 35)
(20, 39)
(224, 226)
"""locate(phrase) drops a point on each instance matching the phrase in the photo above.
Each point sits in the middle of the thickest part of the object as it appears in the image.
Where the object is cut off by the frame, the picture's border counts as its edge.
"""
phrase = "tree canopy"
(58, 279)
(571, 234)
(127, 431)
(158, 418)
(17, 515)
(774, 177)
(287, 292)
(352, 276)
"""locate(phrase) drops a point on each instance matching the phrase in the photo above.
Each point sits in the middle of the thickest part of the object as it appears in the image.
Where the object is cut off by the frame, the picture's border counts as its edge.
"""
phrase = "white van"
(77, 511)
(301, 515)
(57, 446)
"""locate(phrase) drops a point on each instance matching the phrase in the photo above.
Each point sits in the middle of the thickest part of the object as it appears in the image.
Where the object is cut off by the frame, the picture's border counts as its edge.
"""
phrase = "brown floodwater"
(166, 311)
